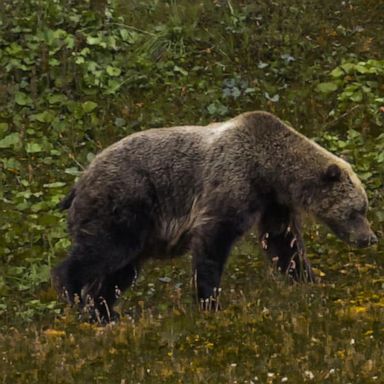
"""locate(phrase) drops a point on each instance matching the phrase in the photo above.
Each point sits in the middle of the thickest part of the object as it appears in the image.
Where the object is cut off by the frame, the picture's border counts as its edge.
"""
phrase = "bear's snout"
(367, 241)
(356, 233)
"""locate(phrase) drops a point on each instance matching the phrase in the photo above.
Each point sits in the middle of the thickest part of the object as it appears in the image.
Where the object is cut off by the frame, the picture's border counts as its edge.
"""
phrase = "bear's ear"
(332, 173)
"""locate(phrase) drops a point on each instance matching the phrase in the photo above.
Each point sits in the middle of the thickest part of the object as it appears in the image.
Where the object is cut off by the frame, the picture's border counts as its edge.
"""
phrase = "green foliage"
(358, 84)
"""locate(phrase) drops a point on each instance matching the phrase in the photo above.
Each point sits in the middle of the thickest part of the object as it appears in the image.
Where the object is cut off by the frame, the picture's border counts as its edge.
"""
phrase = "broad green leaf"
(357, 96)
(14, 49)
(113, 86)
(348, 67)
(124, 33)
(85, 51)
(327, 87)
(113, 71)
(353, 134)
(111, 42)
(56, 98)
(337, 72)
(361, 68)
(9, 141)
(44, 117)
(96, 41)
(365, 175)
(89, 106)
(129, 37)
(22, 99)
(380, 157)
(70, 41)
(11, 163)
(54, 62)
(39, 206)
(79, 60)
(33, 148)
(72, 171)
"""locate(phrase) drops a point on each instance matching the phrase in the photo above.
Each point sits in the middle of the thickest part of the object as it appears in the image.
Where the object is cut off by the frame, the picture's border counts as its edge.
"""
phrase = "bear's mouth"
(367, 241)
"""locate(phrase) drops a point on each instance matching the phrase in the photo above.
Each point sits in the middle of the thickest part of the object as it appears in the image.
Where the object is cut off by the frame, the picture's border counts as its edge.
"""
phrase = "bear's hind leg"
(67, 280)
(89, 275)
(81, 272)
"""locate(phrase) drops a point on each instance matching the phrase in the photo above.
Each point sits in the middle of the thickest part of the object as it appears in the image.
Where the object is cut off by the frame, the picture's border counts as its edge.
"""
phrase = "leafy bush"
(358, 85)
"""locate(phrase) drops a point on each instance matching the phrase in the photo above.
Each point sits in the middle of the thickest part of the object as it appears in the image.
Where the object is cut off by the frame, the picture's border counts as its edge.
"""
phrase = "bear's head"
(337, 198)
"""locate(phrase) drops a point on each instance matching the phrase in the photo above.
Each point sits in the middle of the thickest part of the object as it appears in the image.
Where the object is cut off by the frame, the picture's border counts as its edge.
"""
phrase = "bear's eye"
(356, 213)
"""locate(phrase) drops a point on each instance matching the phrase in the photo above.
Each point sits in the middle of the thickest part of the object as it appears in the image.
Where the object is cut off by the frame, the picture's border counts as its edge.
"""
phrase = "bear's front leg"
(211, 245)
(280, 238)
(287, 255)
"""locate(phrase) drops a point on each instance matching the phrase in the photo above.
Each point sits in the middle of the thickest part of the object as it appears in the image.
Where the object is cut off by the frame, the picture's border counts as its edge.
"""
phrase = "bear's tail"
(67, 201)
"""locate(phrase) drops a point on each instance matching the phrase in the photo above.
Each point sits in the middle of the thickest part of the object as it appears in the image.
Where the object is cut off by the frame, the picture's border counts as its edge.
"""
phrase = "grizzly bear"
(165, 192)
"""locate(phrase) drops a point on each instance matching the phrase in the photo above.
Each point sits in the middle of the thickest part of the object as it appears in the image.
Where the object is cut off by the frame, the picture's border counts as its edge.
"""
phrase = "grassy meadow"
(76, 76)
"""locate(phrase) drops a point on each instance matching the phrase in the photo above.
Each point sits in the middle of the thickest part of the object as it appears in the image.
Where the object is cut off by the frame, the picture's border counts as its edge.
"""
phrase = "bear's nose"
(367, 241)
(373, 240)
